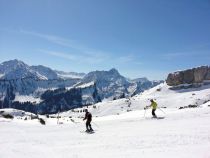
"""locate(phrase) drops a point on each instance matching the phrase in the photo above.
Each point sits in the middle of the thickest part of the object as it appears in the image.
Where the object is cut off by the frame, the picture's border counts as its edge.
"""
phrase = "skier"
(154, 107)
(88, 117)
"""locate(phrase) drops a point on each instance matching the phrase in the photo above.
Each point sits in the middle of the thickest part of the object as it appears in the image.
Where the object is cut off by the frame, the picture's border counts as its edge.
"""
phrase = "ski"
(88, 132)
(158, 118)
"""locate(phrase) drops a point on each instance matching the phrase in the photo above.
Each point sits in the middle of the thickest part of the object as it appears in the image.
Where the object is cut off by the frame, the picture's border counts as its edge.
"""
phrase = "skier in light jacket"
(153, 105)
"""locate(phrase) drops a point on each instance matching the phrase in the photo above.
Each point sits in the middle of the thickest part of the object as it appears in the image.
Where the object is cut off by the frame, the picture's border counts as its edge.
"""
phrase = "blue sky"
(138, 37)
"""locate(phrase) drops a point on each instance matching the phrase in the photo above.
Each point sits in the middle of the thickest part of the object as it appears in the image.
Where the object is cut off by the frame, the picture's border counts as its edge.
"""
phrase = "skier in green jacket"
(153, 105)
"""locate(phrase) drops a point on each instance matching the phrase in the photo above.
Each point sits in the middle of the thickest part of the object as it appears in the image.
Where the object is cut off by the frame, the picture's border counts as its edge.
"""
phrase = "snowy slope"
(183, 133)
(164, 96)
(45, 71)
(123, 129)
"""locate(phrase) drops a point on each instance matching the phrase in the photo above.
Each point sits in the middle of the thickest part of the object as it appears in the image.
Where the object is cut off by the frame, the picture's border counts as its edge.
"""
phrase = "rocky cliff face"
(190, 76)
(110, 84)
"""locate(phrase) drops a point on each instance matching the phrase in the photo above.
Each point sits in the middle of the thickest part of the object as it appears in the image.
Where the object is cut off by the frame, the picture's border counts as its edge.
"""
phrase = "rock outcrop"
(190, 76)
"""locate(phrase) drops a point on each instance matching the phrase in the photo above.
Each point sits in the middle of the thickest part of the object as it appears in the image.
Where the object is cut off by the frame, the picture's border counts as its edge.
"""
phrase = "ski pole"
(72, 120)
(145, 112)
(95, 124)
(161, 110)
(58, 117)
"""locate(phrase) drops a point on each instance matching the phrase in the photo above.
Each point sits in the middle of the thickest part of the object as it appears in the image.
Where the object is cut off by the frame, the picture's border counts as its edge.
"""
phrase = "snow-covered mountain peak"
(114, 71)
(45, 71)
(112, 74)
(12, 65)
(16, 69)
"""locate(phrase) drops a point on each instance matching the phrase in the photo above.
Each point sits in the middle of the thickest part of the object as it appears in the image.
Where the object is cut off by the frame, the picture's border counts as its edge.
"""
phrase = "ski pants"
(88, 125)
(153, 113)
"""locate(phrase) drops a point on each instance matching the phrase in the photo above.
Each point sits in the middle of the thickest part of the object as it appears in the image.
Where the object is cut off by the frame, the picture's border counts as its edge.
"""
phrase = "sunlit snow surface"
(183, 133)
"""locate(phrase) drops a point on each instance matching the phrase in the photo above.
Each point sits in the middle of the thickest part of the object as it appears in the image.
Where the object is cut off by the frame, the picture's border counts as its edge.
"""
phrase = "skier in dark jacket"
(88, 117)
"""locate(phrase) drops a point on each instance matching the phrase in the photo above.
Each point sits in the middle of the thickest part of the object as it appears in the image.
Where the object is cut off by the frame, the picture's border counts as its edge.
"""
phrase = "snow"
(175, 98)
(27, 98)
(164, 96)
(1, 75)
(207, 104)
(16, 113)
(183, 133)
(41, 77)
(86, 85)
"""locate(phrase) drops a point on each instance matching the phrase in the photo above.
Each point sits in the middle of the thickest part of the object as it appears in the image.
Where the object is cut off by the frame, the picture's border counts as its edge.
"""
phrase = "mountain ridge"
(83, 89)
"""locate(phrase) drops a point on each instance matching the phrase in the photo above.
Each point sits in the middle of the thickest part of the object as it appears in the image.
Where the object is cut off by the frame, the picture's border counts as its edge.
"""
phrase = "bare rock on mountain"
(190, 76)
(174, 79)
(200, 74)
(208, 75)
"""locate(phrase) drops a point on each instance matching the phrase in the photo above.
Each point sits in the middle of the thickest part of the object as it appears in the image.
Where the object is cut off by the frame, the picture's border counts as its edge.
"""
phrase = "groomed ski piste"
(123, 129)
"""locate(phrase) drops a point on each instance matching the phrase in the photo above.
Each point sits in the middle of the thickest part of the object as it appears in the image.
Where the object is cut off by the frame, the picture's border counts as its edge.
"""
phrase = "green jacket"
(154, 105)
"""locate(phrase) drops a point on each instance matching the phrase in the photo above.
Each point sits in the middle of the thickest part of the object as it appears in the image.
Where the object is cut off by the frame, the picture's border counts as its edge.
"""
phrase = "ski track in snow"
(182, 134)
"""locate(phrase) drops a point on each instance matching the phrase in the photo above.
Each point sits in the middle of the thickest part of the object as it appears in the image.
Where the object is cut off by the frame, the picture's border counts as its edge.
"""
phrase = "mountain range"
(40, 89)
